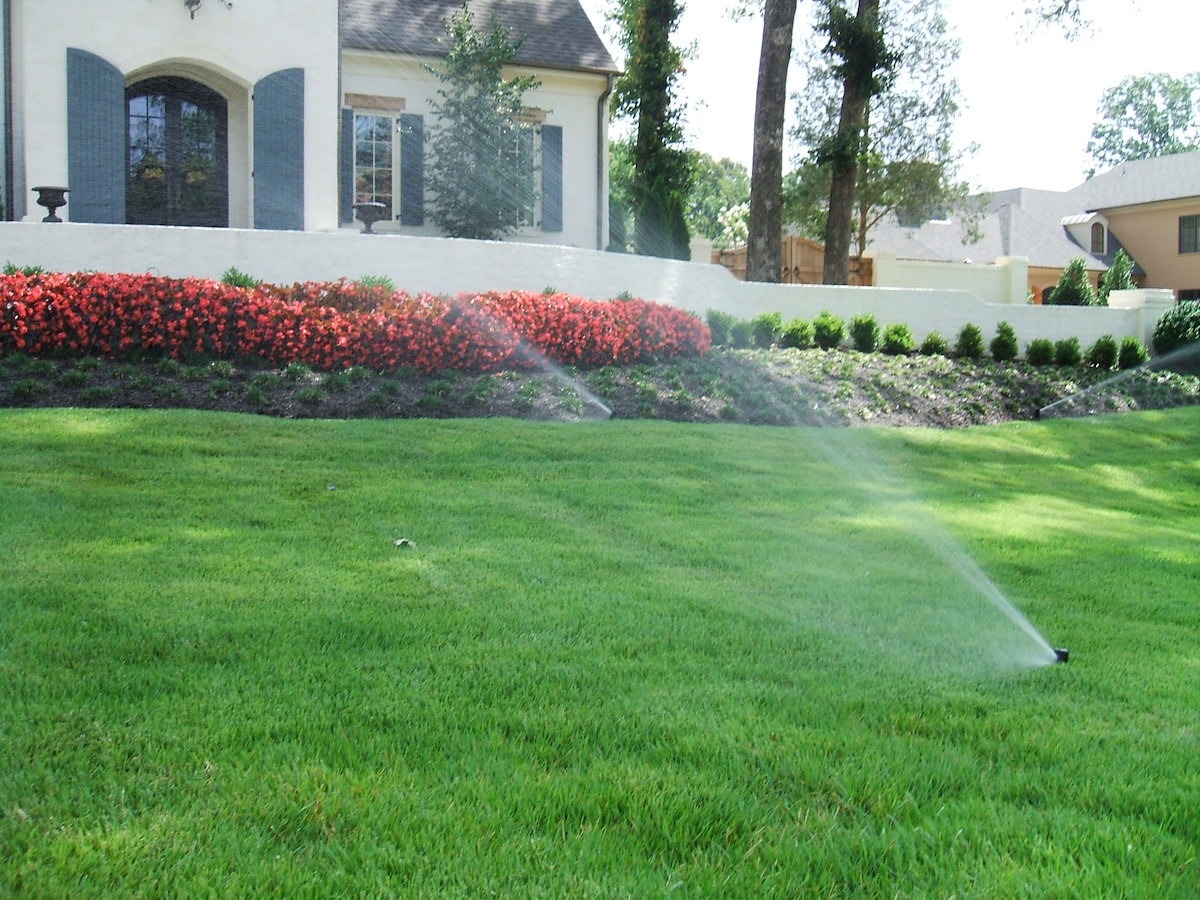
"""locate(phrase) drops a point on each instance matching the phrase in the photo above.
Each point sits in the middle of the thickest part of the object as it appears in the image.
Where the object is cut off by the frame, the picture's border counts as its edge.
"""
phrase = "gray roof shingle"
(1142, 181)
(1030, 223)
(557, 33)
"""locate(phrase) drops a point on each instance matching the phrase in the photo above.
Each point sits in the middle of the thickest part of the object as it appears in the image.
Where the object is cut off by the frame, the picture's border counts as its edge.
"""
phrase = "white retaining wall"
(439, 265)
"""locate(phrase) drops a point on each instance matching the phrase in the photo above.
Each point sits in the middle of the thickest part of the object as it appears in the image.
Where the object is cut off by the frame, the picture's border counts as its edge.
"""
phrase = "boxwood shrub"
(1040, 352)
(1067, 352)
(828, 330)
(864, 333)
(970, 342)
(897, 340)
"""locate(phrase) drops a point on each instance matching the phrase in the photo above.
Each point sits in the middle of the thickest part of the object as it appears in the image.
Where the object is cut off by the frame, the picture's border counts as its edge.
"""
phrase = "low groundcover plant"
(333, 325)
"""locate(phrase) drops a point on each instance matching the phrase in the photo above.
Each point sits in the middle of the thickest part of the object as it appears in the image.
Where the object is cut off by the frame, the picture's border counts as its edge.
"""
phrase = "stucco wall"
(1003, 281)
(226, 49)
(1150, 235)
(570, 100)
(439, 265)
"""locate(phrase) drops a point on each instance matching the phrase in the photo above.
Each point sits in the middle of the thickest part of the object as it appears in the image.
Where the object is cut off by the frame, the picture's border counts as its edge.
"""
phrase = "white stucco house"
(281, 114)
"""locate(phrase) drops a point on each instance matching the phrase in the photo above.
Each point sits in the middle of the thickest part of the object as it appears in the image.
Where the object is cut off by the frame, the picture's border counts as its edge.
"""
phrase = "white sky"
(1029, 99)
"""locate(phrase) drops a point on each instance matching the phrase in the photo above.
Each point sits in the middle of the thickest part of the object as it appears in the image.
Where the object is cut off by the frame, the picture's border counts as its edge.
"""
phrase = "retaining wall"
(440, 265)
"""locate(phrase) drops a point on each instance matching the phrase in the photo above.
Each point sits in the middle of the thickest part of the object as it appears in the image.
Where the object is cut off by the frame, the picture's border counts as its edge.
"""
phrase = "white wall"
(439, 265)
(227, 49)
(571, 101)
(1004, 281)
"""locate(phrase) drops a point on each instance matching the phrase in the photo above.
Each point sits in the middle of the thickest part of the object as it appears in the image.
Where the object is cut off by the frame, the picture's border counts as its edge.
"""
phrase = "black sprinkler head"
(1062, 655)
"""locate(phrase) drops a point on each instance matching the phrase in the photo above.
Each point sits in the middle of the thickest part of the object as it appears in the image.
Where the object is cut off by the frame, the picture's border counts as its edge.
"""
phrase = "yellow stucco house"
(1150, 208)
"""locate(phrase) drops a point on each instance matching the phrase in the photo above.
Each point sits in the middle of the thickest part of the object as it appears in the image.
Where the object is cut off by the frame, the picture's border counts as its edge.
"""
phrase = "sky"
(1029, 100)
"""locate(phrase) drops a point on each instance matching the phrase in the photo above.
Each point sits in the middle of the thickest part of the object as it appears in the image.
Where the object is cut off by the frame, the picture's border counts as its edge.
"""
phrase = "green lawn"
(622, 658)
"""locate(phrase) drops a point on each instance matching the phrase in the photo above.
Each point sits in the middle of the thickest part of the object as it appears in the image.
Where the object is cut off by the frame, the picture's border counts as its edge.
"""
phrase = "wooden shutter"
(279, 151)
(346, 167)
(96, 136)
(552, 178)
(412, 169)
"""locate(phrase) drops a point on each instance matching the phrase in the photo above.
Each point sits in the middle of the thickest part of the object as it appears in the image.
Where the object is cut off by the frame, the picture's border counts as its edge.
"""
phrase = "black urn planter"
(369, 214)
(51, 198)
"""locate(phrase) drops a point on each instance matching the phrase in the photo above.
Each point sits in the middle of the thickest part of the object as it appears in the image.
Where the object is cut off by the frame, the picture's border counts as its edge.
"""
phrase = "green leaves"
(1145, 116)
(482, 171)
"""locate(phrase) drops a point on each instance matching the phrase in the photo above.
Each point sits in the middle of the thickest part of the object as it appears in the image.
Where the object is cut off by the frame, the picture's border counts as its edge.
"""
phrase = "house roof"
(1143, 181)
(1033, 224)
(557, 33)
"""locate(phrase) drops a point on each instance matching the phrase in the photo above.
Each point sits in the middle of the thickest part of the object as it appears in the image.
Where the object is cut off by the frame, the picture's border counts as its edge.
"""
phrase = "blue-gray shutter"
(346, 167)
(552, 178)
(96, 126)
(412, 169)
(279, 151)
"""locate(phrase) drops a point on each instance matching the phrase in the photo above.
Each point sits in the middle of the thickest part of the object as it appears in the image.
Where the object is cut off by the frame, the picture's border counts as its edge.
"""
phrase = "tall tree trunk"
(856, 94)
(766, 179)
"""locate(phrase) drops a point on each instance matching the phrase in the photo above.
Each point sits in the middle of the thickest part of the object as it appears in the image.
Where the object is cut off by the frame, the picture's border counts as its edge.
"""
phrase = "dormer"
(1089, 231)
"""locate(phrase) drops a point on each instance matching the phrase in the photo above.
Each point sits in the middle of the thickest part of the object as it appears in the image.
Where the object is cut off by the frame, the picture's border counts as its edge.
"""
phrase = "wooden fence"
(801, 262)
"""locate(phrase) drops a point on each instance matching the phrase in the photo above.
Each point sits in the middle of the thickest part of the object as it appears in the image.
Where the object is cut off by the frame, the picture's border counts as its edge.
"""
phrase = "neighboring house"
(1150, 208)
(282, 114)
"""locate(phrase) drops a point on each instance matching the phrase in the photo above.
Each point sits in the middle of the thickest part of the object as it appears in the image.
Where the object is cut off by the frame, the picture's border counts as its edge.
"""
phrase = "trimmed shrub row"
(333, 325)
(828, 331)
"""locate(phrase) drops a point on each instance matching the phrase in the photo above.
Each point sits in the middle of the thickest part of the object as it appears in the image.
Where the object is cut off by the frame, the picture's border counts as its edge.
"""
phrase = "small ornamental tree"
(1073, 288)
(1119, 277)
(481, 170)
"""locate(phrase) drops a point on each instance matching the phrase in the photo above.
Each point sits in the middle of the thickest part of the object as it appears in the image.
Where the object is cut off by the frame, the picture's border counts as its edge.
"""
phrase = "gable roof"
(1143, 181)
(1032, 223)
(557, 33)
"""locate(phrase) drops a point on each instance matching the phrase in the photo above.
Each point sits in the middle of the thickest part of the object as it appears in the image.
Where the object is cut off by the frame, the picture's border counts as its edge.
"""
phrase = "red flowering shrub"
(333, 325)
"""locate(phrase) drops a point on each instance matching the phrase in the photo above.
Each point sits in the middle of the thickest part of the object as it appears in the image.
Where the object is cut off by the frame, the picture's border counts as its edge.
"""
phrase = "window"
(1188, 242)
(525, 162)
(376, 177)
(1193, 294)
(1098, 241)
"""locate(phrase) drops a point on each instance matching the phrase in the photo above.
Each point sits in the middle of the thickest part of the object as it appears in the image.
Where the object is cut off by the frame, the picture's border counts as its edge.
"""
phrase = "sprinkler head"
(1062, 655)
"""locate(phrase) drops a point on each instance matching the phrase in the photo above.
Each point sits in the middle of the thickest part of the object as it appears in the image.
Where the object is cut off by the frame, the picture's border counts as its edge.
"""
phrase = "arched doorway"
(178, 159)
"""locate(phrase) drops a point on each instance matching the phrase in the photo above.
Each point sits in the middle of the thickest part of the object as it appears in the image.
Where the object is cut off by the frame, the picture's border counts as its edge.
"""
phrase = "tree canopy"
(645, 94)
(906, 160)
(481, 173)
(1146, 116)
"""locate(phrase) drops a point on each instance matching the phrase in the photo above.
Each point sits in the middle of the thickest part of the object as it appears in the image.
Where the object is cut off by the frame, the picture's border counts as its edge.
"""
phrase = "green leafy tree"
(863, 64)
(1073, 288)
(1146, 116)
(481, 172)
(645, 94)
(1119, 277)
(718, 185)
(907, 163)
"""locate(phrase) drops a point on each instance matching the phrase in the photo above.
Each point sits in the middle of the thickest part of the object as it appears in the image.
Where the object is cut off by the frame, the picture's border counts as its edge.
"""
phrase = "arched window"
(178, 168)
(1098, 238)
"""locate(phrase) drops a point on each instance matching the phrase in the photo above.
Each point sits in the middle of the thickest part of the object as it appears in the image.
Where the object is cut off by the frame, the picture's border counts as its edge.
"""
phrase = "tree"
(907, 161)
(1119, 277)
(863, 63)
(646, 94)
(1073, 288)
(718, 185)
(770, 108)
(1146, 116)
(481, 171)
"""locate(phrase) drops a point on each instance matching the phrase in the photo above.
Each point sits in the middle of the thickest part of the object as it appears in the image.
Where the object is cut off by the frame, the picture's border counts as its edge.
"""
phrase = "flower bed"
(333, 325)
